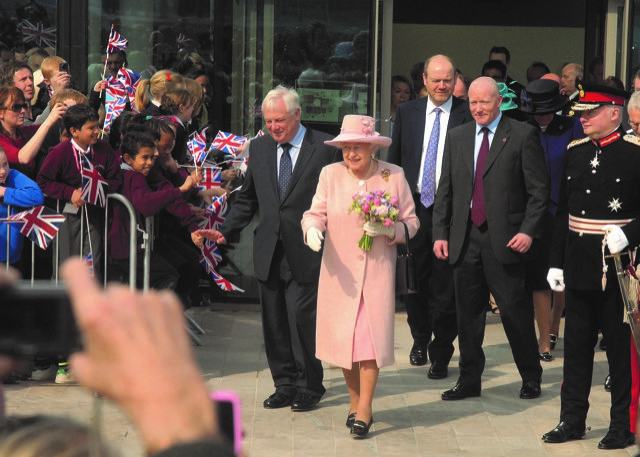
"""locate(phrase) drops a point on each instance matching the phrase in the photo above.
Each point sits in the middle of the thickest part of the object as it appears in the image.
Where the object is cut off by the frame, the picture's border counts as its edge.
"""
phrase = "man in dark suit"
(432, 309)
(490, 206)
(281, 180)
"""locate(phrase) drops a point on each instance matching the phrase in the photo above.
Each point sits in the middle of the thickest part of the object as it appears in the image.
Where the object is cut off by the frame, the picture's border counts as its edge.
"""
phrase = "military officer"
(598, 195)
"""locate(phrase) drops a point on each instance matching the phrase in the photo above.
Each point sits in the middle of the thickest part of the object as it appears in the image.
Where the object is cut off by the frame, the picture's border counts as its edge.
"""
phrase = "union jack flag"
(214, 214)
(93, 184)
(197, 146)
(126, 82)
(210, 256)
(259, 134)
(114, 105)
(39, 34)
(182, 39)
(224, 284)
(40, 224)
(116, 41)
(88, 261)
(211, 177)
(228, 142)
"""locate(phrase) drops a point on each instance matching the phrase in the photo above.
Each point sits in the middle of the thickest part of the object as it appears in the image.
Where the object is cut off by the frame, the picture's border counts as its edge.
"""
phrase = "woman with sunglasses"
(22, 143)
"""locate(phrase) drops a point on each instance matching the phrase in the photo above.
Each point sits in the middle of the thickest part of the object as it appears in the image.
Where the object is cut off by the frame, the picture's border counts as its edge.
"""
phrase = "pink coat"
(347, 272)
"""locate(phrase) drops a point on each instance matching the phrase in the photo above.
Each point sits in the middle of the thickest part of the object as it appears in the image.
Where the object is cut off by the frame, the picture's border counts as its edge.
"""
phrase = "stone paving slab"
(410, 418)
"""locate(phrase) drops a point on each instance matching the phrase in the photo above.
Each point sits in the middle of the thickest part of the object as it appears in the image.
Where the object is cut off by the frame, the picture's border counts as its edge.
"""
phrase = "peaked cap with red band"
(594, 96)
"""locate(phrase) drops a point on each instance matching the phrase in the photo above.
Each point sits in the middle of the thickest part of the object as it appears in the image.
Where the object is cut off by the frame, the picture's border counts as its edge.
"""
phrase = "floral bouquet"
(378, 207)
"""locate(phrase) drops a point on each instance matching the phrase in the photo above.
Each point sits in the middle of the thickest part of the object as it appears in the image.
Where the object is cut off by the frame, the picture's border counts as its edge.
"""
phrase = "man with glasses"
(599, 200)
(633, 109)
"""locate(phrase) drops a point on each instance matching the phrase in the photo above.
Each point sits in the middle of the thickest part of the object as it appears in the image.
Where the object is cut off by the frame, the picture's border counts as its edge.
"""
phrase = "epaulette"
(577, 142)
(632, 138)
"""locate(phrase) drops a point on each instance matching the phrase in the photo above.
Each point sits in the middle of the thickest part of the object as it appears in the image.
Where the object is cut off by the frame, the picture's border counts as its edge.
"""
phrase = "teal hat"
(508, 97)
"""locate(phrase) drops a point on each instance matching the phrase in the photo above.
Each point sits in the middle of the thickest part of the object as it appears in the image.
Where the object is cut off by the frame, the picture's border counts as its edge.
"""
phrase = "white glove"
(616, 239)
(314, 238)
(377, 229)
(555, 278)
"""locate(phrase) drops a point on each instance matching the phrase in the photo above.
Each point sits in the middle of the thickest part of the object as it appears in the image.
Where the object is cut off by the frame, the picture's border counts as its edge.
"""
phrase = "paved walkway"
(410, 418)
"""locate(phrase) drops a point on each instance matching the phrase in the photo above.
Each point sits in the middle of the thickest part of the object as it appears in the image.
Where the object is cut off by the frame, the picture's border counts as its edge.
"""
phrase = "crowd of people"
(53, 141)
(501, 193)
(525, 195)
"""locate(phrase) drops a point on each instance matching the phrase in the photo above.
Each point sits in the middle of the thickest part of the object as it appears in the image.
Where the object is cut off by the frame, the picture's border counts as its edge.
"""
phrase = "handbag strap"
(407, 241)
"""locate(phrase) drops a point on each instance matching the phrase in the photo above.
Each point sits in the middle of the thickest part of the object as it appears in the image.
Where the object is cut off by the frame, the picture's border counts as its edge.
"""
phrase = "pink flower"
(368, 127)
(388, 222)
(394, 201)
(376, 201)
(366, 208)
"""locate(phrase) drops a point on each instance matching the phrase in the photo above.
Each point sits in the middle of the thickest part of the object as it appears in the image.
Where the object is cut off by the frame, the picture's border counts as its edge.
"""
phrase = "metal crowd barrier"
(147, 246)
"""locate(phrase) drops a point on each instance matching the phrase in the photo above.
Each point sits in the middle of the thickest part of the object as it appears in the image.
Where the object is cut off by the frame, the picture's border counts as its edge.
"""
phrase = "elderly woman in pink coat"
(356, 298)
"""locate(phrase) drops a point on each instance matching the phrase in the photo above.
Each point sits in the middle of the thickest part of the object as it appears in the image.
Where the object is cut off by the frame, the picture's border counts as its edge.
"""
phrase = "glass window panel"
(25, 25)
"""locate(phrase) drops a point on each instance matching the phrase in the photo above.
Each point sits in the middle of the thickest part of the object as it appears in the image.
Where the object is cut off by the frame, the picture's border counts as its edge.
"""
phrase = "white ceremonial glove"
(616, 239)
(555, 278)
(378, 229)
(314, 239)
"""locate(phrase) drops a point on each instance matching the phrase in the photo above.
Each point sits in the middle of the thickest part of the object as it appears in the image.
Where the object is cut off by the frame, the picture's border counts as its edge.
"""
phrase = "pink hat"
(359, 129)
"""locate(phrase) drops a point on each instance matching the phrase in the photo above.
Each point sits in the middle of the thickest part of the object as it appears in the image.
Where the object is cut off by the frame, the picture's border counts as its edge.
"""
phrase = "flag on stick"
(40, 224)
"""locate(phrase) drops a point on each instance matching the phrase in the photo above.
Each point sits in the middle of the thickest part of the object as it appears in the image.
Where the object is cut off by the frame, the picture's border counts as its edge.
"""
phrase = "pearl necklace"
(370, 171)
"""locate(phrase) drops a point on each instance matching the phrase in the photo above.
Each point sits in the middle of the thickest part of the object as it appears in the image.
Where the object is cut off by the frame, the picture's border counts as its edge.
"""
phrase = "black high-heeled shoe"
(553, 339)
(359, 429)
(545, 356)
(351, 418)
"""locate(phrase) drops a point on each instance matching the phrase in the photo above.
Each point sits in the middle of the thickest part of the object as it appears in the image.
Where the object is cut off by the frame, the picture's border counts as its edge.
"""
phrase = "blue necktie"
(284, 174)
(428, 187)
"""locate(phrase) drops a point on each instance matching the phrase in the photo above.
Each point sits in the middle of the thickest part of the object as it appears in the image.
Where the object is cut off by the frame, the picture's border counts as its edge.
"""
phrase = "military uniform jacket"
(601, 181)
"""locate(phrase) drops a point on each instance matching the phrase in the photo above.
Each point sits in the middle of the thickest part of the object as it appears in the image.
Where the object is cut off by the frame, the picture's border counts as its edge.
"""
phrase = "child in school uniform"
(20, 192)
(138, 149)
(60, 177)
(179, 104)
(179, 219)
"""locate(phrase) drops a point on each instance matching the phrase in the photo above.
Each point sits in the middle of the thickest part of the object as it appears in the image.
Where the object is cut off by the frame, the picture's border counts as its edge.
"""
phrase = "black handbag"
(406, 275)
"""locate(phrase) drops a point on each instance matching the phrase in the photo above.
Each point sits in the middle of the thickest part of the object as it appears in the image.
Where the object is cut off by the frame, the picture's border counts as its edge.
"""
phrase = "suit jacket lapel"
(271, 155)
(418, 119)
(468, 148)
(500, 138)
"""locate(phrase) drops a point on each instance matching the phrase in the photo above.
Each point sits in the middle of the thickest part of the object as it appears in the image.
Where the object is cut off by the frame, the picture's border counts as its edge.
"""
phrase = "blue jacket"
(21, 192)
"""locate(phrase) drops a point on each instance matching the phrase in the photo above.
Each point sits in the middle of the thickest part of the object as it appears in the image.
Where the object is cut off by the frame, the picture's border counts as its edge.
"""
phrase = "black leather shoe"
(304, 402)
(460, 392)
(530, 390)
(360, 430)
(603, 344)
(351, 418)
(279, 399)
(607, 383)
(553, 340)
(438, 370)
(564, 432)
(418, 355)
(617, 438)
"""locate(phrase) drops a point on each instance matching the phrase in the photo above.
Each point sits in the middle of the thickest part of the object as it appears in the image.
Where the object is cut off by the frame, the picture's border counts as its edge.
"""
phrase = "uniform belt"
(593, 226)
